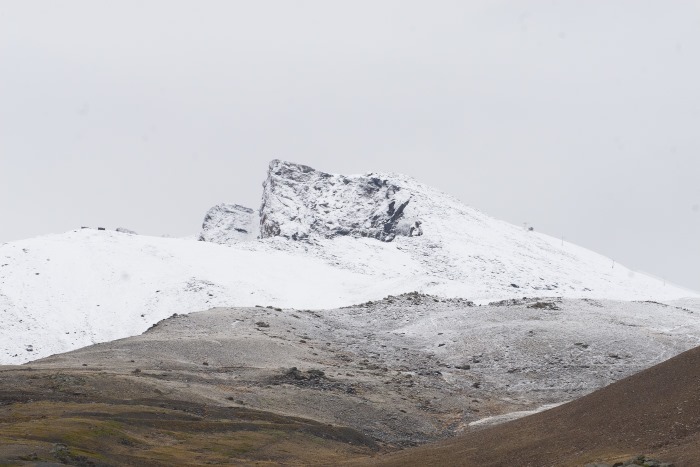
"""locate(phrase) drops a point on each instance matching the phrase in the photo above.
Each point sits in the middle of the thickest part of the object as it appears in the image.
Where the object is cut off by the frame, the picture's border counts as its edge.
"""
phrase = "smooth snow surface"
(61, 292)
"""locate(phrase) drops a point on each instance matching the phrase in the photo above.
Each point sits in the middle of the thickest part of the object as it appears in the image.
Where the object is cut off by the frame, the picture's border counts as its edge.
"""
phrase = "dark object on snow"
(416, 230)
(544, 306)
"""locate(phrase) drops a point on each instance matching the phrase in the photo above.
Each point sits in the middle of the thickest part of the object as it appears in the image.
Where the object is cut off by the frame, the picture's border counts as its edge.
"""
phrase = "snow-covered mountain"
(425, 236)
(317, 241)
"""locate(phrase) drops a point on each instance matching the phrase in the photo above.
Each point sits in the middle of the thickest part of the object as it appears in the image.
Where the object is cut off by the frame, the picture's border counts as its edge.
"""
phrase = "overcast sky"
(581, 118)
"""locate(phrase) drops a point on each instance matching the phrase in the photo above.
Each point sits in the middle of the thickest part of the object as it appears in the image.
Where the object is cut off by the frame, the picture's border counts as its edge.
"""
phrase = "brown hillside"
(655, 412)
(100, 419)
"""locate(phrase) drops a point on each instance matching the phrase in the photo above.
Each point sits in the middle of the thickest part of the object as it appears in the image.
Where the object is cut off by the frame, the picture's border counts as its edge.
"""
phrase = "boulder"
(300, 202)
(229, 223)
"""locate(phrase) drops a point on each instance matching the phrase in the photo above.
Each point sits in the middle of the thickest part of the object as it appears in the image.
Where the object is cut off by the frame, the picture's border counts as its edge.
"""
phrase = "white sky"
(581, 118)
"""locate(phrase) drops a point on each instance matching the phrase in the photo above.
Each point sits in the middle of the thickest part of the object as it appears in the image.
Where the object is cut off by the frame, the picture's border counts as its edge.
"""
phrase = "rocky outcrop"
(300, 202)
(226, 223)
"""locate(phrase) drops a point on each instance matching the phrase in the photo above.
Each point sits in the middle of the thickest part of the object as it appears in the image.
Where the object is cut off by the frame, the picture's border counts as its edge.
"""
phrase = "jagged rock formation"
(299, 202)
(226, 223)
(126, 231)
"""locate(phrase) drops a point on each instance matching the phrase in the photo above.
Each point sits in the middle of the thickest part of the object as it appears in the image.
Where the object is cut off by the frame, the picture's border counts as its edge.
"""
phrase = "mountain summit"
(444, 245)
(299, 202)
(318, 241)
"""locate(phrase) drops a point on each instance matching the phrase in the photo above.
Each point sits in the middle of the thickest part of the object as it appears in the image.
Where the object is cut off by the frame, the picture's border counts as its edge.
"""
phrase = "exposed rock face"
(299, 202)
(226, 223)
(126, 231)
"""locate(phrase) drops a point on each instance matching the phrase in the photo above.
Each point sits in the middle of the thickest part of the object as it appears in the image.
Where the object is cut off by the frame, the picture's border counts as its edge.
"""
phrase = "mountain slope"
(407, 370)
(450, 248)
(654, 412)
(437, 366)
(61, 292)
(358, 238)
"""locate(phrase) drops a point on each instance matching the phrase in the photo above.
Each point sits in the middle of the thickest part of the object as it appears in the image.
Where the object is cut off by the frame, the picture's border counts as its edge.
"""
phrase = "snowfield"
(62, 292)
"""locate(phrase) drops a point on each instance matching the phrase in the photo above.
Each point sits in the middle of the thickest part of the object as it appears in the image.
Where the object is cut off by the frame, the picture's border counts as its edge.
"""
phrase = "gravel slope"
(404, 370)
(654, 413)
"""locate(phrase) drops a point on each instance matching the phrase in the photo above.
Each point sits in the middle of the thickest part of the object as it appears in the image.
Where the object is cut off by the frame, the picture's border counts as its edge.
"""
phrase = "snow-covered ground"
(61, 292)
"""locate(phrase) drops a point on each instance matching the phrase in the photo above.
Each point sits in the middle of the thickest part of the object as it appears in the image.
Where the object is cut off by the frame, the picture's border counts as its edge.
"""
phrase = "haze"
(579, 118)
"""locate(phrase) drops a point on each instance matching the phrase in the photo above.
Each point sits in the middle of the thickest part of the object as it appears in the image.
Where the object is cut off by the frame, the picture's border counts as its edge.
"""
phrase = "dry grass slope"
(60, 418)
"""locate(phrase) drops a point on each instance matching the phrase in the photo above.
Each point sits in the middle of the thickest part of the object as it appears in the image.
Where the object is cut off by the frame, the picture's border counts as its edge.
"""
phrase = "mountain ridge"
(61, 292)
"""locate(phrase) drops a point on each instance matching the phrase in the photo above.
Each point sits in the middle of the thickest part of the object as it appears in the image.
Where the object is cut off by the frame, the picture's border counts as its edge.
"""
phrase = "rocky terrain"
(403, 371)
(300, 202)
(651, 419)
(230, 223)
